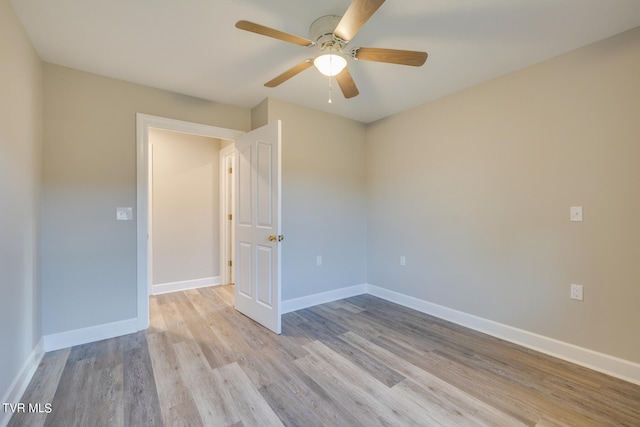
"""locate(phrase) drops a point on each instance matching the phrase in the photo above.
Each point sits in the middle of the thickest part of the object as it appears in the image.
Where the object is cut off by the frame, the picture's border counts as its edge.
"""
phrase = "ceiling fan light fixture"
(330, 64)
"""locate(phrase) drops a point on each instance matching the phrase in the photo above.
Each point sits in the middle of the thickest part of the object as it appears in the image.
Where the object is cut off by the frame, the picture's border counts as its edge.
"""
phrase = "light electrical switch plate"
(403, 260)
(124, 214)
(575, 213)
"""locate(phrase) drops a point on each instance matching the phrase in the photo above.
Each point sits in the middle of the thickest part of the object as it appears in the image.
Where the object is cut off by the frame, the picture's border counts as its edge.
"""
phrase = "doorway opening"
(144, 123)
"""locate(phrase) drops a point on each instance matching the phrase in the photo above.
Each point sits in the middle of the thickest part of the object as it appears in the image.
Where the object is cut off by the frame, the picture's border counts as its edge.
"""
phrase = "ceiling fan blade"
(355, 17)
(296, 69)
(391, 56)
(276, 34)
(346, 83)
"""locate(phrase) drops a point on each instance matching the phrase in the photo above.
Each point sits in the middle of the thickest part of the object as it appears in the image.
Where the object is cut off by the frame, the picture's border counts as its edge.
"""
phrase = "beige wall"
(260, 114)
(89, 258)
(323, 199)
(186, 206)
(20, 171)
(475, 190)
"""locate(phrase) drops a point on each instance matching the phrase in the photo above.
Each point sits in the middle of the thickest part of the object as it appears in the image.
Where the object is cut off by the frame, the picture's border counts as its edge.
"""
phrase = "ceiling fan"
(331, 35)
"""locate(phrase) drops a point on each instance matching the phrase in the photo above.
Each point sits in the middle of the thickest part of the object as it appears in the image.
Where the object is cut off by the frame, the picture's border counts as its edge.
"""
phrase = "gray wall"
(186, 206)
(323, 199)
(89, 258)
(475, 190)
(20, 171)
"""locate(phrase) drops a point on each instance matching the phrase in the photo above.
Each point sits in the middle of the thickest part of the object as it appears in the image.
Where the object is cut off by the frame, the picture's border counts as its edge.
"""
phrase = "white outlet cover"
(577, 292)
(575, 213)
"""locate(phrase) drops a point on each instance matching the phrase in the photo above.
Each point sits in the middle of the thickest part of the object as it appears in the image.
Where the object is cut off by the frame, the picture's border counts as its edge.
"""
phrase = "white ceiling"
(192, 46)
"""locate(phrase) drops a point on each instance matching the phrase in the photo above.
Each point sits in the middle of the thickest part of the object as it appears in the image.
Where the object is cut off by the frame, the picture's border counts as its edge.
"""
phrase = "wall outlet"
(576, 292)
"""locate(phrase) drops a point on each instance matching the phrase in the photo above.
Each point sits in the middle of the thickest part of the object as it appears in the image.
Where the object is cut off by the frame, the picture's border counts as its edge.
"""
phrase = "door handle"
(275, 238)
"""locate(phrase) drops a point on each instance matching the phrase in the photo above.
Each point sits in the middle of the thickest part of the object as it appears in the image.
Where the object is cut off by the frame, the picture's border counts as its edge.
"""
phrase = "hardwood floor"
(360, 361)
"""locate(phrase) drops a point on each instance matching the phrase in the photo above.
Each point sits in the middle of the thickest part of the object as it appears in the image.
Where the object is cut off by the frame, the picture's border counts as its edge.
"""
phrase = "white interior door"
(257, 225)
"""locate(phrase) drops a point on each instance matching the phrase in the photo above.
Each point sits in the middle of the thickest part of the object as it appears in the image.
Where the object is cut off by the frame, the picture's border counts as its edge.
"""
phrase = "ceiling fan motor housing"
(321, 32)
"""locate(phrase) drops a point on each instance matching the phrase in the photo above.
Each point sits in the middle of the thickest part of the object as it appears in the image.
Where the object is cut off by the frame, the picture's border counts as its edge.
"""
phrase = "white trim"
(143, 123)
(163, 288)
(227, 156)
(151, 151)
(610, 365)
(21, 381)
(321, 298)
(90, 334)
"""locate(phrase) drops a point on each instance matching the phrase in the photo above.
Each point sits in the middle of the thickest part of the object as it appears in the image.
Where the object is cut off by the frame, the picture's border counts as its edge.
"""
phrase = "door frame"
(227, 207)
(144, 122)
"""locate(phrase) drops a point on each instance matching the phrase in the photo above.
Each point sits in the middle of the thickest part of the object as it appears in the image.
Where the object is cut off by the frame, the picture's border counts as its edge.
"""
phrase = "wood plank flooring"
(360, 361)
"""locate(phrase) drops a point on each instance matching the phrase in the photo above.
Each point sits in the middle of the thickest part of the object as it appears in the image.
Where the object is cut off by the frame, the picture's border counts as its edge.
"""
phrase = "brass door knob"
(275, 238)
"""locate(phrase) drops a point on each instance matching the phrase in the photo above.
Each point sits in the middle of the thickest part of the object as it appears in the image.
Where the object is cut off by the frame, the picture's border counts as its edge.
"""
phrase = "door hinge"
(230, 170)
(230, 217)
(230, 263)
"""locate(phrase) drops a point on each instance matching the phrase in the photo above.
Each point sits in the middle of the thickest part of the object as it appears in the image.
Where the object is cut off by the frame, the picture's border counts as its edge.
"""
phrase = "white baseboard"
(164, 288)
(610, 365)
(321, 298)
(93, 333)
(21, 381)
